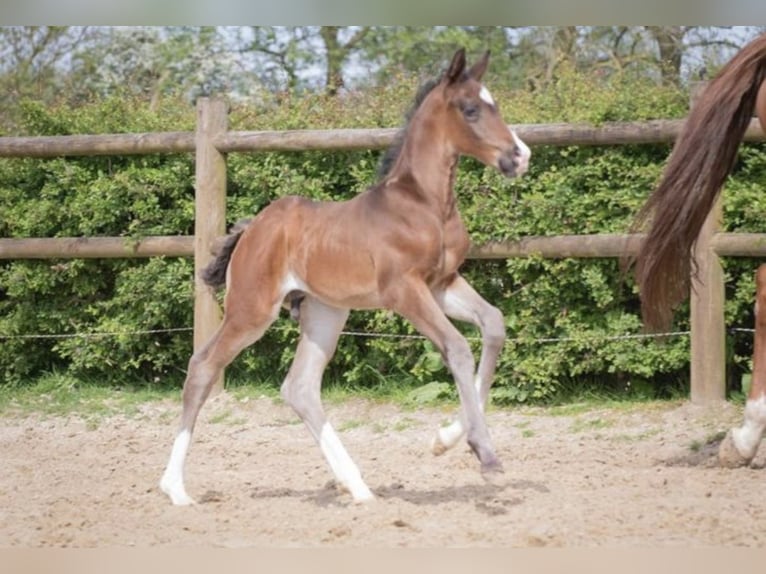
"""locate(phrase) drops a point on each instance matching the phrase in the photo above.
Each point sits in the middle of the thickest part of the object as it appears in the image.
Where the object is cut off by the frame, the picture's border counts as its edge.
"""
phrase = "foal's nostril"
(507, 164)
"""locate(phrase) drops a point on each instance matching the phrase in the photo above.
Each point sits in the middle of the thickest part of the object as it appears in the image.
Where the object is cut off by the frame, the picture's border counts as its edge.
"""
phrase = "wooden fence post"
(209, 214)
(708, 328)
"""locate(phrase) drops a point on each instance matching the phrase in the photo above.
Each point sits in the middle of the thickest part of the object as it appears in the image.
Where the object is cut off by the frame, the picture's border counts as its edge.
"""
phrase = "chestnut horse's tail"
(702, 158)
(215, 273)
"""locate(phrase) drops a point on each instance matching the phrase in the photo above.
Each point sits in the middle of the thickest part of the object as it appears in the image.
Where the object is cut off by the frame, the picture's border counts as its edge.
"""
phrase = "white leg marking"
(342, 466)
(447, 437)
(172, 482)
(748, 436)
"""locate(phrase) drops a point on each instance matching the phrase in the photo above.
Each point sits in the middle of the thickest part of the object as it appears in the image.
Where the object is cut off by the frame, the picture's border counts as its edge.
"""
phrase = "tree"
(338, 53)
(280, 56)
(670, 45)
(48, 62)
(290, 58)
(152, 61)
(669, 54)
(34, 60)
(426, 50)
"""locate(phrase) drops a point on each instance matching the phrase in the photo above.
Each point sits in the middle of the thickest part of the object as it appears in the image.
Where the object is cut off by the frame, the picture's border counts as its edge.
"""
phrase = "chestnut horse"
(702, 158)
(396, 246)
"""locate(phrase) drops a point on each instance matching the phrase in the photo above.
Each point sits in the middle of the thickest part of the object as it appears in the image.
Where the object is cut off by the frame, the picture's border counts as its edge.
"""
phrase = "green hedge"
(562, 316)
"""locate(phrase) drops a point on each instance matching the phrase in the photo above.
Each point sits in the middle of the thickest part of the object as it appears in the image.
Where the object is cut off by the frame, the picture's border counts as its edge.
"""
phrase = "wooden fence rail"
(611, 133)
(212, 140)
(548, 246)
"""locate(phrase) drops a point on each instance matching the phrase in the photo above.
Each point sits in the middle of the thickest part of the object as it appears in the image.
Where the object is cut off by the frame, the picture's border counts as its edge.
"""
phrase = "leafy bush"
(569, 321)
(131, 196)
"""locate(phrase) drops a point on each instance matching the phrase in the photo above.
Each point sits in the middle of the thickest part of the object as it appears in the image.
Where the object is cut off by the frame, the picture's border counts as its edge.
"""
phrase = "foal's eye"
(470, 112)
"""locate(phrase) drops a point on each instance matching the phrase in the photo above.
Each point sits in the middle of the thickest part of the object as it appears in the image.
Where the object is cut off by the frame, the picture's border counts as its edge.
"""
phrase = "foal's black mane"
(389, 158)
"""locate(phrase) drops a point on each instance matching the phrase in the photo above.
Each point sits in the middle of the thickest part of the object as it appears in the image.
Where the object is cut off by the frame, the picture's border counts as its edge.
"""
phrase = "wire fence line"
(371, 335)
(94, 335)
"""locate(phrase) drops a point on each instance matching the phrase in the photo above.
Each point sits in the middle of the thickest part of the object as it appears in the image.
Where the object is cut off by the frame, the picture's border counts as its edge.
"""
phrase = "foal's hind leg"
(460, 301)
(205, 367)
(741, 444)
(320, 328)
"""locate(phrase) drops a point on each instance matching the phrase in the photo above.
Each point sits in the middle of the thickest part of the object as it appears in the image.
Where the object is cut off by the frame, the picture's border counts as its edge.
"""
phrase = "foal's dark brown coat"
(702, 158)
(397, 246)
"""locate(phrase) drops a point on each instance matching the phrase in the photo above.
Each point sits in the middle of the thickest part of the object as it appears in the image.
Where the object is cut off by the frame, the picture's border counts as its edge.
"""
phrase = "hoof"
(492, 468)
(360, 492)
(728, 455)
(493, 474)
(364, 497)
(176, 493)
(438, 448)
(180, 498)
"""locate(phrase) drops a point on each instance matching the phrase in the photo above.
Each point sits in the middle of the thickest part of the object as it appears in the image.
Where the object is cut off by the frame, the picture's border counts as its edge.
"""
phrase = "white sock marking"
(748, 436)
(450, 435)
(342, 466)
(172, 482)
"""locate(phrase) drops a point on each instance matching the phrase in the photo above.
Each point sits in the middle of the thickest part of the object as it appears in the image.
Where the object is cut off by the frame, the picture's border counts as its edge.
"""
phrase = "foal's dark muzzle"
(507, 165)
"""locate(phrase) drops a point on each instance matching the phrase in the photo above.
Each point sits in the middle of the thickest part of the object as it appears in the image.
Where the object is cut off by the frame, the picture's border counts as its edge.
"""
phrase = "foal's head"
(475, 125)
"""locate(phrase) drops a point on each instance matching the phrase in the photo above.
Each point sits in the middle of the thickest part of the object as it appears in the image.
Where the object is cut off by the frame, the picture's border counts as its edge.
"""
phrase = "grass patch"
(638, 437)
(350, 425)
(226, 417)
(251, 391)
(379, 428)
(334, 393)
(59, 394)
(585, 425)
(405, 423)
(713, 439)
(62, 395)
(584, 407)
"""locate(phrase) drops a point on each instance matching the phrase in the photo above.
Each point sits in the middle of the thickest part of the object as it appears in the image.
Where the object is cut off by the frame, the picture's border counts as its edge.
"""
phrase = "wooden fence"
(212, 141)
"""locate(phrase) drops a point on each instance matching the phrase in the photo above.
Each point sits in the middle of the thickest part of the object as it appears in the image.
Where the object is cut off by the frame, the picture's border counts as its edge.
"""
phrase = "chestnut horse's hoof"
(728, 455)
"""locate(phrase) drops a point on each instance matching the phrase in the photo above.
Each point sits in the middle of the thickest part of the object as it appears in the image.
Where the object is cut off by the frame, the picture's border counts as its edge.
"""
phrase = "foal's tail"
(215, 273)
(702, 158)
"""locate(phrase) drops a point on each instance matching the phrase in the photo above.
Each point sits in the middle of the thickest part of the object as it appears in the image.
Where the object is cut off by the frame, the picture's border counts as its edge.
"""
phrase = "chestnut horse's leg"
(741, 444)
(205, 366)
(411, 298)
(320, 327)
(460, 301)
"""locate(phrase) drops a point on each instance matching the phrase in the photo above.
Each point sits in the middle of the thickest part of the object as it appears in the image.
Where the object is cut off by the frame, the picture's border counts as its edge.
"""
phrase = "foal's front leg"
(412, 299)
(460, 301)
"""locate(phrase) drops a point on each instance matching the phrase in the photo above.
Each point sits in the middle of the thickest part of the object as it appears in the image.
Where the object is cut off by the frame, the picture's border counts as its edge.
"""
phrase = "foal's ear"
(456, 67)
(478, 69)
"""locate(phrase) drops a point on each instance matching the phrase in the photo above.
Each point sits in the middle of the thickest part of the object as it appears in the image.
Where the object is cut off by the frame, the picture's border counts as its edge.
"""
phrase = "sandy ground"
(642, 477)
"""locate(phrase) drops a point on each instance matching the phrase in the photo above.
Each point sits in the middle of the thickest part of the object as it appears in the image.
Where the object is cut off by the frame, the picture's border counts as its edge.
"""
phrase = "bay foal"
(396, 246)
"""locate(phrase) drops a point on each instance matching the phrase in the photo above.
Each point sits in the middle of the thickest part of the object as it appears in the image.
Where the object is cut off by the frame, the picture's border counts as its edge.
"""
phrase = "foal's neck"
(430, 159)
